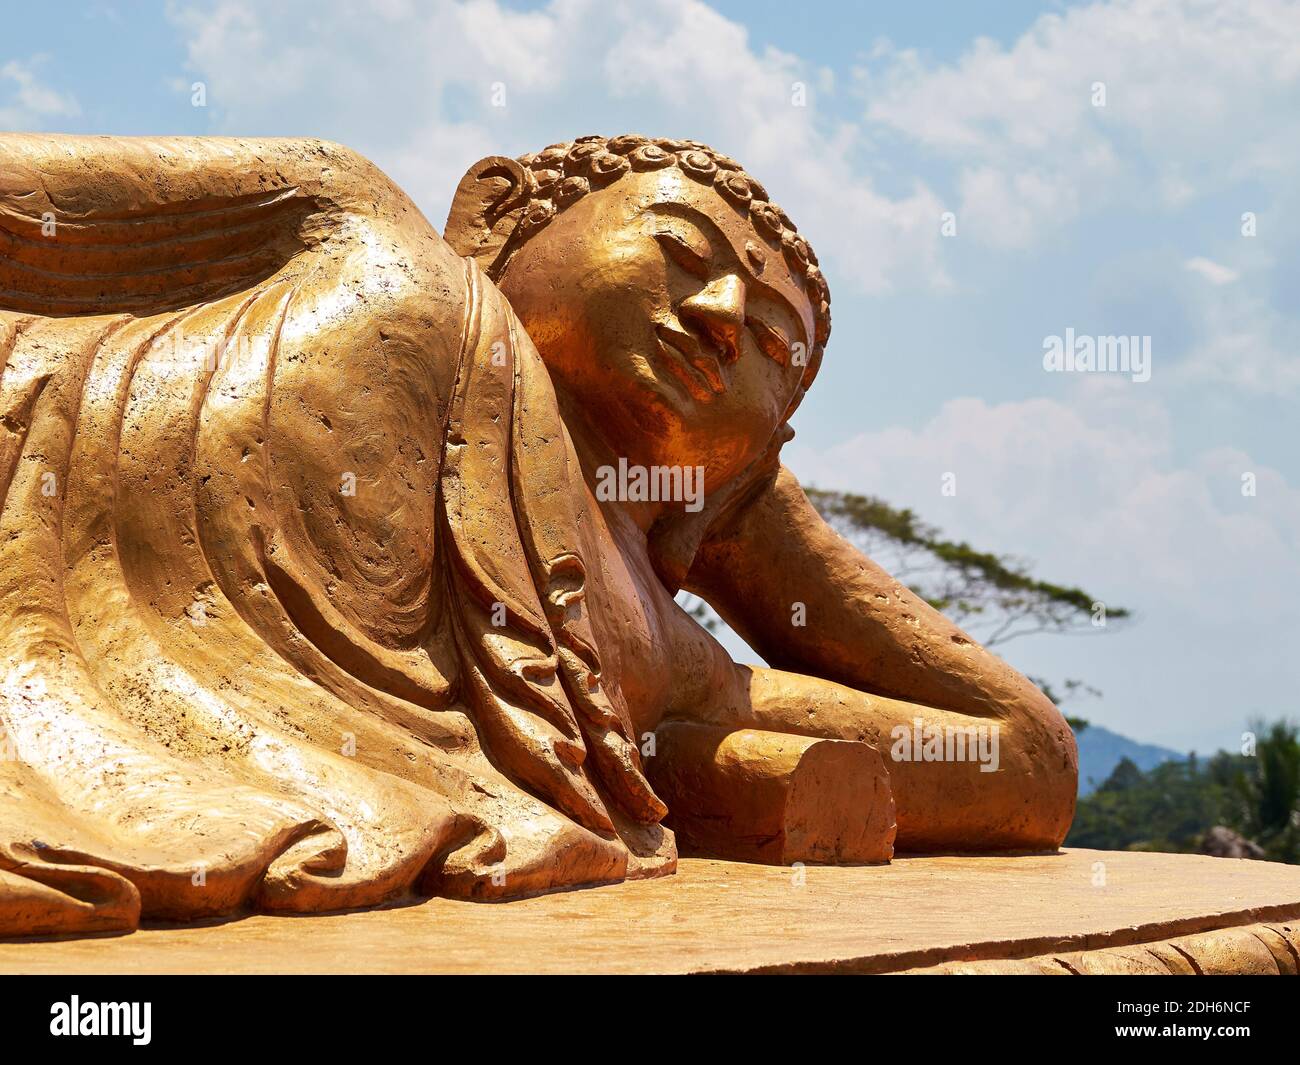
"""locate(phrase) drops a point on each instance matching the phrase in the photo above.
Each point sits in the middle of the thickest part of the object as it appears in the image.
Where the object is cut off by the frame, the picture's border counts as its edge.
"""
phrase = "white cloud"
(1092, 492)
(1242, 342)
(1006, 210)
(1214, 273)
(691, 57)
(1201, 106)
(25, 101)
(1198, 95)
(1027, 150)
(675, 63)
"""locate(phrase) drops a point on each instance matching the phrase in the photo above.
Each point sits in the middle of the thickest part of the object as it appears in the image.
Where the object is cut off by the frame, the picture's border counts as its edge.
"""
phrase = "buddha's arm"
(861, 627)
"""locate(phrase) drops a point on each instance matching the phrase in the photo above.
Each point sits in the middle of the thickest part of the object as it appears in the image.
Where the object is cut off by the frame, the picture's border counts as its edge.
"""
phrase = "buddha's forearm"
(810, 602)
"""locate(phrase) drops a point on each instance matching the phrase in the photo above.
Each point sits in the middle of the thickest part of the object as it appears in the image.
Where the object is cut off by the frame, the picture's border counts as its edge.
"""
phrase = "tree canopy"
(994, 597)
(1173, 805)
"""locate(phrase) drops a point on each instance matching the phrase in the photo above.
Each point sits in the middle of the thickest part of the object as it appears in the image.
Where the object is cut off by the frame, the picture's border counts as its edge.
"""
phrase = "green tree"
(1269, 786)
(993, 597)
(1170, 807)
(1173, 805)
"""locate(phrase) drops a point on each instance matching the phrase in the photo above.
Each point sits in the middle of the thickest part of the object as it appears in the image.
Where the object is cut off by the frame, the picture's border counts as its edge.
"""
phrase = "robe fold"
(292, 555)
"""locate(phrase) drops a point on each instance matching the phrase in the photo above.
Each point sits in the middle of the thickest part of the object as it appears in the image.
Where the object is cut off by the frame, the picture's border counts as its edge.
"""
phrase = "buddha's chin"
(657, 437)
(656, 420)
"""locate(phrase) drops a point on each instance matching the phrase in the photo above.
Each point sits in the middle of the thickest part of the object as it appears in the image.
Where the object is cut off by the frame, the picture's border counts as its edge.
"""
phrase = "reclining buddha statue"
(314, 591)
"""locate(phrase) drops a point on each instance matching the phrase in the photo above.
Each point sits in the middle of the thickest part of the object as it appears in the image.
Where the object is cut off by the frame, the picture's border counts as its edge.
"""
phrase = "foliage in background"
(699, 610)
(993, 597)
(1173, 805)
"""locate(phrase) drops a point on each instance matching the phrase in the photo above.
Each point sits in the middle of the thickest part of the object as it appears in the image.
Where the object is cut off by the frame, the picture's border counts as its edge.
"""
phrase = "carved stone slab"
(1078, 911)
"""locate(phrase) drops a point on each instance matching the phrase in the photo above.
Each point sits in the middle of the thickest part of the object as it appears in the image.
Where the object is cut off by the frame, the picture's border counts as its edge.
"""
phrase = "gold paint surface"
(945, 914)
(312, 592)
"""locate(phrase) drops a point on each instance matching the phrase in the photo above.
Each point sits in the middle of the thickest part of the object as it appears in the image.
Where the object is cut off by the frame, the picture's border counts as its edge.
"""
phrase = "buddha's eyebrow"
(716, 235)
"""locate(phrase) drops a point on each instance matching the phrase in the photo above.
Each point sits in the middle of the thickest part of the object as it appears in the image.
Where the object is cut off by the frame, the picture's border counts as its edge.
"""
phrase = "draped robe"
(293, 554)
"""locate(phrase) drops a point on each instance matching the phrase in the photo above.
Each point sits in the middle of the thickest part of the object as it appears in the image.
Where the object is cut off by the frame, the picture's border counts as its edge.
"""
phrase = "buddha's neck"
(594, 452)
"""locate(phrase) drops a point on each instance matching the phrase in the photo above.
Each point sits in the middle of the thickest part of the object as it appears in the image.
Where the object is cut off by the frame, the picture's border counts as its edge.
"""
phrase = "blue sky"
(1122, 219)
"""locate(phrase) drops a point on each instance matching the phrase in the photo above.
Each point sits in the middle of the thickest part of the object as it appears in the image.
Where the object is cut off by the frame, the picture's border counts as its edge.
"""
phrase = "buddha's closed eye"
(771, 340)
(686, 254)
(690, 250)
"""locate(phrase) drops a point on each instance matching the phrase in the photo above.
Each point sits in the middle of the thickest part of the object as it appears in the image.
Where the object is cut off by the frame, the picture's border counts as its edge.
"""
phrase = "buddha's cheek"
(587, 302)
(614, 360)
(733, 431)
(619, 297)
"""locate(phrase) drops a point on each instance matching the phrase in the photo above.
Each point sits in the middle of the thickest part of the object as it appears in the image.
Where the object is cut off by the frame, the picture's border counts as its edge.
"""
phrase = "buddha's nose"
(719, 310)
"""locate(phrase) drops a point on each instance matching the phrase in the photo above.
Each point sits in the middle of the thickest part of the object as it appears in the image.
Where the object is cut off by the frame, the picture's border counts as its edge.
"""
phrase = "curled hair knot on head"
(544, 183)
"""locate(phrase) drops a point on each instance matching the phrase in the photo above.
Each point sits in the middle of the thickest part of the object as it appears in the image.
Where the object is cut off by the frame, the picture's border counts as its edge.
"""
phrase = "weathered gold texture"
(959, 913)
(314, 591)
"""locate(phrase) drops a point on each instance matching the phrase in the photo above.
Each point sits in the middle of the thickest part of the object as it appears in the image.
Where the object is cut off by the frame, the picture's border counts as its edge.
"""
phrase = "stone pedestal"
(1078, 911)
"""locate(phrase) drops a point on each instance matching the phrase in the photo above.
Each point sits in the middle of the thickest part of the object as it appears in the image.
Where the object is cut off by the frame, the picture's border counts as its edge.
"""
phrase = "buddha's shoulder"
(188, 220)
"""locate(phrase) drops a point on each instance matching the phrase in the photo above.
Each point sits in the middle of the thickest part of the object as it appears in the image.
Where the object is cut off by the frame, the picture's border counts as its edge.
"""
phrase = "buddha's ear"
(489, 203)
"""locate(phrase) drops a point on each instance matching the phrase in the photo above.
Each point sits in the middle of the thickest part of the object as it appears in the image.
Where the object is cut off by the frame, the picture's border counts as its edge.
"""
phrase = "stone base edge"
(1247, 950)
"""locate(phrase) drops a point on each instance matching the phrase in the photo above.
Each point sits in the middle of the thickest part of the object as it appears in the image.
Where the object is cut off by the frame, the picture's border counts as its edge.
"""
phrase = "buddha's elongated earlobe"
(489, 204)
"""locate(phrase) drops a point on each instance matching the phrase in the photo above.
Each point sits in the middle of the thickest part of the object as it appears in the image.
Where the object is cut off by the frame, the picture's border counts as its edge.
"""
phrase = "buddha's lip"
(705, 366)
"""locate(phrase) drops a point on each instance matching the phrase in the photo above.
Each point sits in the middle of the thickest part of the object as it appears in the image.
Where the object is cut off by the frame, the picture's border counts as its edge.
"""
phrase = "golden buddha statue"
(338, 558)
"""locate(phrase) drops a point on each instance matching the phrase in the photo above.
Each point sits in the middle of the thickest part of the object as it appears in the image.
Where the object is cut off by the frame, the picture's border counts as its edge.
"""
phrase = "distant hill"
(1100, 751)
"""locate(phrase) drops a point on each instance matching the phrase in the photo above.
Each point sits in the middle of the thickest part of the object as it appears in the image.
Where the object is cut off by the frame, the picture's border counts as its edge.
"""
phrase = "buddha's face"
(661, 313)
